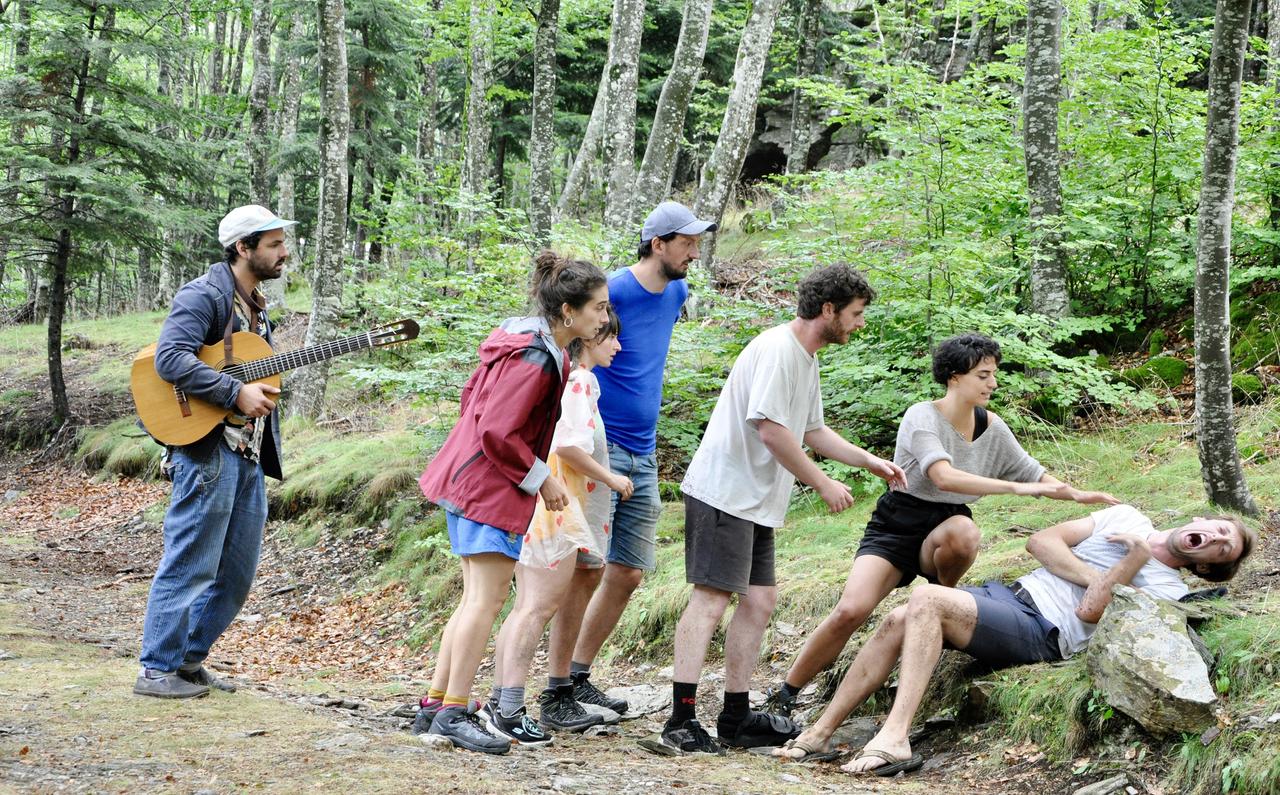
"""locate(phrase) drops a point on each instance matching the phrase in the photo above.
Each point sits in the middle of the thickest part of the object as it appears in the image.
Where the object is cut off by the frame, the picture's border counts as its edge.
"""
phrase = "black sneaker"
(520, 728)
(779, 702)
(757, 729)
(201, 676)
(586, 693)
(690, 738)
(464, 730)
(424, 716)
(558, 710)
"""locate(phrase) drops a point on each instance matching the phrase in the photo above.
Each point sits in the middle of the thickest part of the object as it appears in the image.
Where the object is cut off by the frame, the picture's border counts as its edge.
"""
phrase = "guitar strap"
(256, 310)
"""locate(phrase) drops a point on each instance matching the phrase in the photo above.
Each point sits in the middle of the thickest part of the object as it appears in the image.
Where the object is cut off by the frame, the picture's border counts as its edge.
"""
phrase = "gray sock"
(555, 681)
(579, 668)
(495, 696)
(511, 700)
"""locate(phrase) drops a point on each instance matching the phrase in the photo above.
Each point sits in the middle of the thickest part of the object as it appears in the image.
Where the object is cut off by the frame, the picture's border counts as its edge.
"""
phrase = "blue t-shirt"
(631, 387)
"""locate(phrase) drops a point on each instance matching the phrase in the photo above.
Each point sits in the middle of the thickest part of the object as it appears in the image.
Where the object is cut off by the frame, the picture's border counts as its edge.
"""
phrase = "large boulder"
(1143, 660)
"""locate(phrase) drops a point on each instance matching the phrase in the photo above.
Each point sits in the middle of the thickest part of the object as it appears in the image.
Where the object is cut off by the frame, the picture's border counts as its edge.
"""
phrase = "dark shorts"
(1010, 630)
(724, 552)
(898, 527)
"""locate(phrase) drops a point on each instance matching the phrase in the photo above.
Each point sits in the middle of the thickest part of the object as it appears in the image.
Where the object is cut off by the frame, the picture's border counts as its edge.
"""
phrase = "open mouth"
(1193, 540)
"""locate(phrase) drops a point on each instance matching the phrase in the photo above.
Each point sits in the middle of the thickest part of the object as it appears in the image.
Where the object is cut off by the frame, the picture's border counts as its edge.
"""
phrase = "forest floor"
(321, 673)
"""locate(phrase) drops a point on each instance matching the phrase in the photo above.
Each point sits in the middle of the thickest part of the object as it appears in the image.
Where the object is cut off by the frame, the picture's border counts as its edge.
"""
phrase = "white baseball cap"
(244, 221)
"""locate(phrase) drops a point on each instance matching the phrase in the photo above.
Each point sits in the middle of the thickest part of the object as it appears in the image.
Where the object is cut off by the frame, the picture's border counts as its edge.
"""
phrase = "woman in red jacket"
(491, 470)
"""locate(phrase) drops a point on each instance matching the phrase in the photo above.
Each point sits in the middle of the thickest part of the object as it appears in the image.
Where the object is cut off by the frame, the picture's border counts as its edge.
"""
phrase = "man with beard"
(1050, 614)
(647, 297)
(213, 528)
(736, 493)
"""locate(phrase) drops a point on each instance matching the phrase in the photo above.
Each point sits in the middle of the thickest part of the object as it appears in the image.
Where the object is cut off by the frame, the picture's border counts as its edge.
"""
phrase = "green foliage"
(1246, 388)
(1162, 371)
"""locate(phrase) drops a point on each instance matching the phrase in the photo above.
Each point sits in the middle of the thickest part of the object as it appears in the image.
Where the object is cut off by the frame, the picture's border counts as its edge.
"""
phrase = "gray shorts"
(1010, 630)
(724, 552)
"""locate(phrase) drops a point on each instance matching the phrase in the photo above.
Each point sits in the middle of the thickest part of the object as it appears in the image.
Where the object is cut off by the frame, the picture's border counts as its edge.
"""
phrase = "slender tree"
(331, 216)
(542, 142)
(291, 89)
(725, 164)
(260, 126)
(620, 117)
(808, 27)
(475, 166)
(1220, 466)
(1048, 256)
(656, 170)
(571, 194)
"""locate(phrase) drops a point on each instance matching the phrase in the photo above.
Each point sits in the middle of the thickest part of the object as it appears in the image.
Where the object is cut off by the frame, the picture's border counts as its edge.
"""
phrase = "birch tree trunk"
(331, 216)
(475, 166)
(1048, 257)
(542, 143)
(429, 122)
(1220, 466)
(808, 28)
(654, 182)
(725, 164)
(260, 128)
(620, 117)
(288, 135)
(571, 196)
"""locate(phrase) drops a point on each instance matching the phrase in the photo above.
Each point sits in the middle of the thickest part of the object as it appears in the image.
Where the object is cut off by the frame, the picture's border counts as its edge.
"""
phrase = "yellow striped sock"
(455, 701)
(435, 695)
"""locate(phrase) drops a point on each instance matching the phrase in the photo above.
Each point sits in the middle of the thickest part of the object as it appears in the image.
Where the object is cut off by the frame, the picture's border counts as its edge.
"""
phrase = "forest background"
(1096, 185)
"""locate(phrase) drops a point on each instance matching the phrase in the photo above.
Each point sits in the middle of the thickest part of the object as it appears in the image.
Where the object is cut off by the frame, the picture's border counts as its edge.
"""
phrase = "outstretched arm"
(829, 444)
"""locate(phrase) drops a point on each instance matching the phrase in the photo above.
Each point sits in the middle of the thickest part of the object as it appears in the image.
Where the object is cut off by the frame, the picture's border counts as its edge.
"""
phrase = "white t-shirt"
(1057, 599)
(580, 425)
(774, 378)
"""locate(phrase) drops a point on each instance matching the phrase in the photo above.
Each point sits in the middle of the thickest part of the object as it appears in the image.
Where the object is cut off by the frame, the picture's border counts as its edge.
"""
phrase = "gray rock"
(1107, 786)
(1142, 659)
(641, 699)
(610, 717)
(602, 730)
(855, 732)
(12, 495)
(435, 742)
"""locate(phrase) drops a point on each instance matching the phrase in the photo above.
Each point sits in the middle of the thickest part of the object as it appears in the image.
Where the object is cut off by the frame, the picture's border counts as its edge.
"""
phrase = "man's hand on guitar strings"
(253, 401)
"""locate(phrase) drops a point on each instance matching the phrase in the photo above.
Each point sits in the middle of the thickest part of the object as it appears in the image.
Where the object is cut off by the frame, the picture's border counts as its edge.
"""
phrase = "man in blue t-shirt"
(647, 297)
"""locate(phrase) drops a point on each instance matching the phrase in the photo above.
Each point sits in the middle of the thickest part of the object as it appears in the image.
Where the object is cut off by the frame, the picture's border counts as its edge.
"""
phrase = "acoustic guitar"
(176, 418)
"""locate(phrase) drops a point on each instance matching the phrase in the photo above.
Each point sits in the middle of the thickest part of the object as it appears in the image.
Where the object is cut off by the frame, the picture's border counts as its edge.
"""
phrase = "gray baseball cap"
(671, 217)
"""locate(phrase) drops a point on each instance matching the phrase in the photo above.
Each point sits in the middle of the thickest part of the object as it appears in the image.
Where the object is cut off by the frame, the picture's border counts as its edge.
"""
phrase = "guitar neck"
(280, 362)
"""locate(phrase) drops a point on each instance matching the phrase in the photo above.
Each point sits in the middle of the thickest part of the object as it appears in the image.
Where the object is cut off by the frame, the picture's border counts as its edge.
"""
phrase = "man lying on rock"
(1047, 615)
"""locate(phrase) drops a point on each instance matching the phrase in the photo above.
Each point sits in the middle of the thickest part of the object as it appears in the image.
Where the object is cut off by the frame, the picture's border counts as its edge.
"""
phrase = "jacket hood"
(517, 333)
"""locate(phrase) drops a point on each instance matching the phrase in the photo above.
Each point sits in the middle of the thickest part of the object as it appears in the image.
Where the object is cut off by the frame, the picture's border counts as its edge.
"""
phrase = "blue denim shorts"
(633, 526)
(468, 538)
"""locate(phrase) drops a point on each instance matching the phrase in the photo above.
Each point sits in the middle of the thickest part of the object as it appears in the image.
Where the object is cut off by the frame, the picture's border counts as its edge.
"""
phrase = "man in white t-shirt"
(736, 492)
(1047, 615)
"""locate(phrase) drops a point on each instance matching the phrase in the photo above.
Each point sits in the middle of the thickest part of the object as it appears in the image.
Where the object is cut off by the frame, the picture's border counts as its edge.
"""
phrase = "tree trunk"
(475, 166)
(331, 216)
(542, 134)
(620, 116)
(1273, 77)
(808, 28)
(571, 196)
(237, 68)
(654, 183)
(429, 121)
(288, 118)
(739, 123)
(18, 133)
(259, 108)
(219, 44)
(1220, 466)
(1047, 256)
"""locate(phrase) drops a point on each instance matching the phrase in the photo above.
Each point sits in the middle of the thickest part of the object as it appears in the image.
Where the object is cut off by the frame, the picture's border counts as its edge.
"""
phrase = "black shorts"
(1010, 630)
(724, 552)
(898, 527)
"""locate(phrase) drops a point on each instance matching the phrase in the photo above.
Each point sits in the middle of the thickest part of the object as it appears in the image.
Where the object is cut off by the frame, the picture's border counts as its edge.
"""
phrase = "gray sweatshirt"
(925, 437)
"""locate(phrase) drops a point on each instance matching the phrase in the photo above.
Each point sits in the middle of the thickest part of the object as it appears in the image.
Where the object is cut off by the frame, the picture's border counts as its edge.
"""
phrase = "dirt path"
(321, 671)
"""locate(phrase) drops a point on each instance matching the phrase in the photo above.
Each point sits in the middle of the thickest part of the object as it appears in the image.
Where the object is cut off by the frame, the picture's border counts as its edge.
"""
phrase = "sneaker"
(586, 693)
(756, 730)
(520, 728)
(690, 738)
(201, 676)
(558, 710)
(465, 730)
(423, 714)
(167, 684)
(779, 702)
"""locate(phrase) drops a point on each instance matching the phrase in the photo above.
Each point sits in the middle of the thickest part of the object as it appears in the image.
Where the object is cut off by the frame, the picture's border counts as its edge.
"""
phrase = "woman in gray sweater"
(953, 451)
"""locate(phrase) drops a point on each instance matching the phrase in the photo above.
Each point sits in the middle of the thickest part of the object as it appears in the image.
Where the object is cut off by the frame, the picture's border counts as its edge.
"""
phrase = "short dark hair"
(837, 285)
(229, 254)
(558, 280)
(611, 328)
(1221, 572)
(959, 355)
(646, 248)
